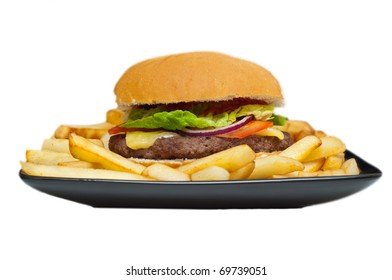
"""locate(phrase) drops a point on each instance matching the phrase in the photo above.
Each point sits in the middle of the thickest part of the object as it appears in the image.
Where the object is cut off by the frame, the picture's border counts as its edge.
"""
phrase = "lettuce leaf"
(278, 119)
(180, 119)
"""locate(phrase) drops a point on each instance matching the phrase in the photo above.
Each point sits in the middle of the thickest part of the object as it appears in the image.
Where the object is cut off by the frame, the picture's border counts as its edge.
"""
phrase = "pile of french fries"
(78, 152)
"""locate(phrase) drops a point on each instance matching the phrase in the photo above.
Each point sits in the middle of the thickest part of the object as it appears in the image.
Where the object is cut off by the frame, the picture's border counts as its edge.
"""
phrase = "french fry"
(333, 162)
(306, 174)
(84, 150)
(321, 173)
(62, 145)
(56, 145)
(330, 145)
(47, 157)
(80, 164)
(243, 172)
(169, 162)
(115, 116)
(266, 154)
(350, 167)
(294, 127)
(314, 165)
(293, 174)
(95, 131)
(336, 172)
(320, 133)
(97, 142)
(266, 167)
(165, 173)
(302, 148)
(35, 169)
(303, 134)
(211, 173)
(230, 159)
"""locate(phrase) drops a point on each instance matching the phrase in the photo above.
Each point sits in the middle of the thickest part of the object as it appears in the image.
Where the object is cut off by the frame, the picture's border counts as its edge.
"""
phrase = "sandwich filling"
(207, 116)
(197, 129)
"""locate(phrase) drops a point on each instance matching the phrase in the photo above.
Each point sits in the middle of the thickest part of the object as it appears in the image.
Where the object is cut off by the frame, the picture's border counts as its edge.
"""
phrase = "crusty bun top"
(196, 76)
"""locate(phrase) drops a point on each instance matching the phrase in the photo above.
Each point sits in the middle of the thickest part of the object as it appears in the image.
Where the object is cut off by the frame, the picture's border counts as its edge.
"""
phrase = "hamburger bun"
(174, 86)
(196, 76)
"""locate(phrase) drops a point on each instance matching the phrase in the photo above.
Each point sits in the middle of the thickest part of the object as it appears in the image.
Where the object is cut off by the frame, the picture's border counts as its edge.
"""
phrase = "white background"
(59, 62)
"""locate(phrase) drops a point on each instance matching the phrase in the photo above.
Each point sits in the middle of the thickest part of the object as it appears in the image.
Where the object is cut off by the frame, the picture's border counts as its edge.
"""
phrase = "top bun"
(196, 76)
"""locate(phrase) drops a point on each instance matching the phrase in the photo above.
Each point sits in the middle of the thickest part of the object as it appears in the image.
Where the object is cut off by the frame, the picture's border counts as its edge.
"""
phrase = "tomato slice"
(248, 129)
(116, 129)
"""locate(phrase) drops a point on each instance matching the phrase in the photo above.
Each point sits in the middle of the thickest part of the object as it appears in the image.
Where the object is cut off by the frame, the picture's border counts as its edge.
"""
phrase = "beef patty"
(180, 147)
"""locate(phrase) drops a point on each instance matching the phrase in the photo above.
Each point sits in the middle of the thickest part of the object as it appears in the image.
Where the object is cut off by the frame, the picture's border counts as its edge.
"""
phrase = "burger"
(191, 105)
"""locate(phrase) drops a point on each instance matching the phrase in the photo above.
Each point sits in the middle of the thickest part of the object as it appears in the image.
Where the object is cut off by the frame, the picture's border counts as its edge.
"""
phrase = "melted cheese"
(272, 131)
(142, 140)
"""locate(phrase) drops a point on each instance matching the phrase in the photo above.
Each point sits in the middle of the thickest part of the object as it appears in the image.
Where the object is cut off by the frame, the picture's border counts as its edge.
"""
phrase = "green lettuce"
(278, 119)
(181, 119)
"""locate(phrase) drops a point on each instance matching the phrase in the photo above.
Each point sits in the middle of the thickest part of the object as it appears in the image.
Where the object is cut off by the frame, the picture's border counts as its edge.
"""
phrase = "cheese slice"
(142, 140)
(271, 131)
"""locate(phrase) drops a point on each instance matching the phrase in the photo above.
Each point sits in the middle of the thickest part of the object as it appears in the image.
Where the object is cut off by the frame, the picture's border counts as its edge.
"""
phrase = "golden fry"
(115, 116)
(330, 145)
(62, 145)
(302, 148)
(314, 165)
(47, 157)
(84, 150)
(303, 134)
(165, 173)
(320, 133)
(336, 172)
(243, 172)
(72, 172)
(294, 127)
(81, 164)
(266, 167)
(333, 162)
(350, 167)
(211, 173)
(56, 145)
(230, 159)
(95, 131)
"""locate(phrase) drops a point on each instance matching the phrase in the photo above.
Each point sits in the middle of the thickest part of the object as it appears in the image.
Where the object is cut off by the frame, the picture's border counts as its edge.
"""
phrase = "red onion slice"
(217, 131)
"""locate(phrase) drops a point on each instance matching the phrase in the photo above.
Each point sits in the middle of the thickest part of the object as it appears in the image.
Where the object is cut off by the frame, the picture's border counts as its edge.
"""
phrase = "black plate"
(271, 193)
